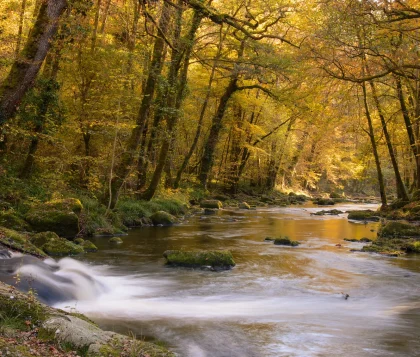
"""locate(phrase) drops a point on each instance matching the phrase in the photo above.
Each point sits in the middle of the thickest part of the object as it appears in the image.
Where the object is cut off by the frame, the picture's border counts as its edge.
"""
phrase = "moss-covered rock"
(19, 241)
(9, 219)
(61, 247)
(115, 240)
(364, 215)
(78, 241)
(244, 205)
(324, 202)
(399, 229)
(163, 218)
(332, 212)
(41, 238)
(217, 260)
(336, 195)
(88, 246)
(361, 240)
(64, 222)
(65, 204)
(413, 247)
(286, 241)
(211, 204)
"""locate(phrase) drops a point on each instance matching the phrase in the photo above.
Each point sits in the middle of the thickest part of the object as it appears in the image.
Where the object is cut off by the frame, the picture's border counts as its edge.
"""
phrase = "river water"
(277, 301)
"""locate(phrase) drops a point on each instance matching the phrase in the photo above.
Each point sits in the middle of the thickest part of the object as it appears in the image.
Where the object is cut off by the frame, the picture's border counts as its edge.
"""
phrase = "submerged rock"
(216, 204)
(361, 240)
(88, 246)
(115, 240)
(286, 241)
(217, 260)
(163, 218)
(332, 212)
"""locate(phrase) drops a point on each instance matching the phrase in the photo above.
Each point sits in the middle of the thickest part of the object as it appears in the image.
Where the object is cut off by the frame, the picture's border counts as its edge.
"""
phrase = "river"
(277, 301)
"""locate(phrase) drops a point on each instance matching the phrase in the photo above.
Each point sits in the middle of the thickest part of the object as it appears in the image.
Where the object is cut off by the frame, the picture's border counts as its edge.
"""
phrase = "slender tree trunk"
(371, 134)
(24, 70)
(105, 16)
(177, 83)
(123, 168)
(401, 190)
(20, 30)
(95, 26)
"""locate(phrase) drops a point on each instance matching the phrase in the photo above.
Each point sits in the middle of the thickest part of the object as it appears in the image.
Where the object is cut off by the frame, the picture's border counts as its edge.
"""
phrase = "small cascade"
(52, 281)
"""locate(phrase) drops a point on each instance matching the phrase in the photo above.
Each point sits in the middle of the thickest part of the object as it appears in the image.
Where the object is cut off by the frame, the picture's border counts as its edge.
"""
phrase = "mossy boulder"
(217, 259)
(244, 205)
(61, 247)
(78, 241)
(286, 241)
(9, 219)
(19, 242)
(115, 240)
(324, 202)
(65, 204)
(163, 218)
(413, 247)
(332, 212)
(88, 246)
(215, 204)
(335, 195)
(399, 229)
(364, 215)
(41, 238)
(59, 216)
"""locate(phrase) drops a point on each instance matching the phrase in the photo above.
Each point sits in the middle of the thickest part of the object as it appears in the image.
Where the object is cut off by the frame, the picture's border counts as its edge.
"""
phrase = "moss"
(332, 212)
(413, 247)
(10, 219)
(324, 202)
(216, 259)
(286, 241)
(64, 223)
(40, 239)
(78, 241)
(163, 218)
(211, 204)
(66, 204)
(398, 229)
(61, 247)
(115, 240)
(88, 246)
(335, 195)
(363, 215)
(244, 205)
(19, 241)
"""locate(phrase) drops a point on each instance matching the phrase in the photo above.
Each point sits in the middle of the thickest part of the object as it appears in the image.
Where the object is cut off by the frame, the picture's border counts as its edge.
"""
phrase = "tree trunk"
(20, 31)
(401, 190)
(24, 70)
(371, 134)
(123, 168)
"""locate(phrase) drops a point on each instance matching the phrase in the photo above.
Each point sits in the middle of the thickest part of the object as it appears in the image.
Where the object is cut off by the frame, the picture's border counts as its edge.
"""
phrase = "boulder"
(61, 247)
(216, 260)
(163, 218)
(244, 205)
(211, 204)
(19, 242)
(209, 211)
(41, 238)
(399, 229)
(59, 216)
(332, 212)
(88, 246)
(364, 215)
(9, 219)
(78, 240)
(286, 241)
(324, 202)
(115, 240)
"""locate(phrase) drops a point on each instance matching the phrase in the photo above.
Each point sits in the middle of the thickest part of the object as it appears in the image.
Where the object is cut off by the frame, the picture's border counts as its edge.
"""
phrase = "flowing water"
(277, 301)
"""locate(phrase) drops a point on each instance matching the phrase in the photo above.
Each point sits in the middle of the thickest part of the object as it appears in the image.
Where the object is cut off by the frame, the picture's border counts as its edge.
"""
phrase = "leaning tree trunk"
(24, 70)
(371, 134)
(123, 168)
(401, 190)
